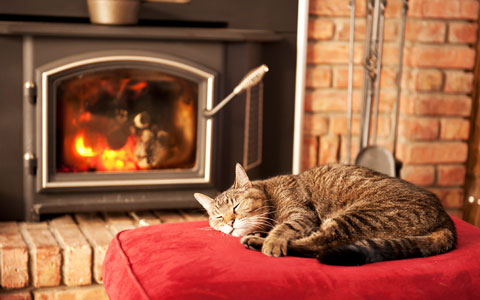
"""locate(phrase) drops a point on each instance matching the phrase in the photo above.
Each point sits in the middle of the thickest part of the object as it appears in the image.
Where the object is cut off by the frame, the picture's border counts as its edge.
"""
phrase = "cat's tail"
(377, 249)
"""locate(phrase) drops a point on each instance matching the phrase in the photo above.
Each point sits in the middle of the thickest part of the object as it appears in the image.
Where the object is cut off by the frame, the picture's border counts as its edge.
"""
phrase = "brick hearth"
(62, 258)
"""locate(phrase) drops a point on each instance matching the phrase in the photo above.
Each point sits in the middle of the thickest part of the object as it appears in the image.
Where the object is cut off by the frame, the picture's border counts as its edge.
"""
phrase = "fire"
(95, 113)
(83, 150)
(102, 158)
(119, 160)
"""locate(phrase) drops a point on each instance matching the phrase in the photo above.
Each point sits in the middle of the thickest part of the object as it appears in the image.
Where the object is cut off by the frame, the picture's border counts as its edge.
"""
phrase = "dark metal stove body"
(207, 61)
(53, 45)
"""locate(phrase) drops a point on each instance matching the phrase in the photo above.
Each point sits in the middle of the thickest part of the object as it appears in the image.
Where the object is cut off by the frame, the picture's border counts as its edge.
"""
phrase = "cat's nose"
(230, 222)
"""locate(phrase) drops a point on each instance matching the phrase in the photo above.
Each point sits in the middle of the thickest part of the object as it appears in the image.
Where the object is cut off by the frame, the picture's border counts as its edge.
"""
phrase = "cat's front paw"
(253, 242)
(274, 246)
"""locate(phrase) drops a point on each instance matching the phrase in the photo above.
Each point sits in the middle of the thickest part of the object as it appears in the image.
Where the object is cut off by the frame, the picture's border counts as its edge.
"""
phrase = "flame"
(122, 159)
(85, 117)
(139, 86)
(83, 150)
(103, 158)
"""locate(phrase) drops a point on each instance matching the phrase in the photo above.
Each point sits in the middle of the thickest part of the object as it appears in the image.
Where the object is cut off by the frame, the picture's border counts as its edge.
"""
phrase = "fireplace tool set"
(372, 155)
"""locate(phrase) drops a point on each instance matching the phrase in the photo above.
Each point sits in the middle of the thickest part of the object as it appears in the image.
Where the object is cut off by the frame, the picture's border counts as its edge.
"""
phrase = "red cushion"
(190, 261)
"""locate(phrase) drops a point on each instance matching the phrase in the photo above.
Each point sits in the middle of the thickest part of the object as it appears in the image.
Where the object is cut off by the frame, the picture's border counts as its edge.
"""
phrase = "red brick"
(309, 152)
(425, 31)
(170, 216)
(420, 175)
(450, 9)
(462, 32)
(335, 8)
(16, 296)
(146, 218)
(330, 101)
(343, 29)
(394, 8)
(320, 29)
(354, 148)
(45, 257)
(419, 128)
(458, 82)
(92, 292)
(390, 54)
(433, 153)
(336, 101)
(315, 124)
(97, 234)
(409, 80)
(454, 129)
(436, 105)
(76, 252)
(329, 149)
(318, 77)
(196, 215)
(450, 197)
(338, 53)
(332, 53)
(340, 125)
(13, 257)
(429, 80)
(440, 56)
(117, 222)
(451, 175)
(340, 77)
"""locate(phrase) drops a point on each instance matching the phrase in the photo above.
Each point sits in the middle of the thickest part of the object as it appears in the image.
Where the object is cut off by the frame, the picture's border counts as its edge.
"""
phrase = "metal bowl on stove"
(118, 12)
(113, 12)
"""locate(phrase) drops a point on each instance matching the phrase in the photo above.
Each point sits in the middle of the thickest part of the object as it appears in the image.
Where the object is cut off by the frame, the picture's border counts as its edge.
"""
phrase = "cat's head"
(240, 210)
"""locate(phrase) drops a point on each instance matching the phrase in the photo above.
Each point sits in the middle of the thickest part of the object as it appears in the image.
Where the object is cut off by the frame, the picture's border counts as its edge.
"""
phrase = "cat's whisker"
(267, 219)
(206, 228)
(263, 207)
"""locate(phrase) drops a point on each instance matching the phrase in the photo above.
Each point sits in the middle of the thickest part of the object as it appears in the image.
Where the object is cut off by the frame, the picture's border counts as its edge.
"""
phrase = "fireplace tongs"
(252, 78)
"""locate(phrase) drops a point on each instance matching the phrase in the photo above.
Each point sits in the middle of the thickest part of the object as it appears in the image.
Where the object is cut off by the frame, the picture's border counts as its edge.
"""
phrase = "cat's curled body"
(340, 214)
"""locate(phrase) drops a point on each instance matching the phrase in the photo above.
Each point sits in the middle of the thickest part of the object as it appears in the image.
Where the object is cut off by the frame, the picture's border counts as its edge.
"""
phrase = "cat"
(339, 214)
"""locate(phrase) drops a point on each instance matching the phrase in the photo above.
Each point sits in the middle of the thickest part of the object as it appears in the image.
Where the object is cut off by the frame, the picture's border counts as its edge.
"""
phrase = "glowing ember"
(119, 160)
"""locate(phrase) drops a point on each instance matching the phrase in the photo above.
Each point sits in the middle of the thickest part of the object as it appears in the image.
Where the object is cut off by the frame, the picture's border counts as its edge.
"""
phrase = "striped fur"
(340, 214)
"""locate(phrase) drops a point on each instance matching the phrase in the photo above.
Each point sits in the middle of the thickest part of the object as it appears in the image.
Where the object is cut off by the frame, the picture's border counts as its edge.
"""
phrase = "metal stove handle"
(252, 78)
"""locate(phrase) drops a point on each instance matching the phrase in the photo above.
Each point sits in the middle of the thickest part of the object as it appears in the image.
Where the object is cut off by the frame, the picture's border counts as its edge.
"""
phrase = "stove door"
(129, 119)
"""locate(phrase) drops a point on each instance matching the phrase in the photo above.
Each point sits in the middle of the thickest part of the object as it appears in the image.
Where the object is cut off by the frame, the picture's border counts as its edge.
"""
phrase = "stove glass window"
(125, 119)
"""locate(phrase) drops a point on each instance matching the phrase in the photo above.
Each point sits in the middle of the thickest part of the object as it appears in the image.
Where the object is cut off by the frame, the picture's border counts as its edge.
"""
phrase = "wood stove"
(124, 118)
(113, 119)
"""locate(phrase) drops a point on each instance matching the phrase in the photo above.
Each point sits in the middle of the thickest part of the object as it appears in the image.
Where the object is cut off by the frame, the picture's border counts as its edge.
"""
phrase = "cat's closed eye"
(235, 207)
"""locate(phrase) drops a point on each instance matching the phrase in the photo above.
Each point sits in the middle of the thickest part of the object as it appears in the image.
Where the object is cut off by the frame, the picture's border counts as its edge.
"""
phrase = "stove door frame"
(48, 179)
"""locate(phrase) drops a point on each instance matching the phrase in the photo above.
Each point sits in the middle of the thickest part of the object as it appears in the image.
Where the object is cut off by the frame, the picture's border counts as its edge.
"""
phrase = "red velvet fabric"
(190, 261)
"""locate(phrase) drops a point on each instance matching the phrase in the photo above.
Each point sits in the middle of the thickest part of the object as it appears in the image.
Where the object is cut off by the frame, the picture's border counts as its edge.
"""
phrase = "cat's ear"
(205, 201)
(241, 178)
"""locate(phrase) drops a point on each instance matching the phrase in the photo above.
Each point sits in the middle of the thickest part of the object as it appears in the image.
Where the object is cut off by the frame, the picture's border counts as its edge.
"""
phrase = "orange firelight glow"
(83, 150)
(103, 158)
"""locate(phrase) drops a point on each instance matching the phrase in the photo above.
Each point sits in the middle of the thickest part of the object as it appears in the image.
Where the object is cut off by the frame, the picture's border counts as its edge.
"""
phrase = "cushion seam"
(129, 267)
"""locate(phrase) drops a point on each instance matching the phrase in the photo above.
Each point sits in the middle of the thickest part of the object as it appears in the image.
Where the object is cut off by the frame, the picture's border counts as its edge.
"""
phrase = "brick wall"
(436, 100)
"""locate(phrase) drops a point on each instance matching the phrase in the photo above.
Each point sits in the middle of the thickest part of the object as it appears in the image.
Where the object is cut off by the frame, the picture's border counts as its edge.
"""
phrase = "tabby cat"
(340, 214)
